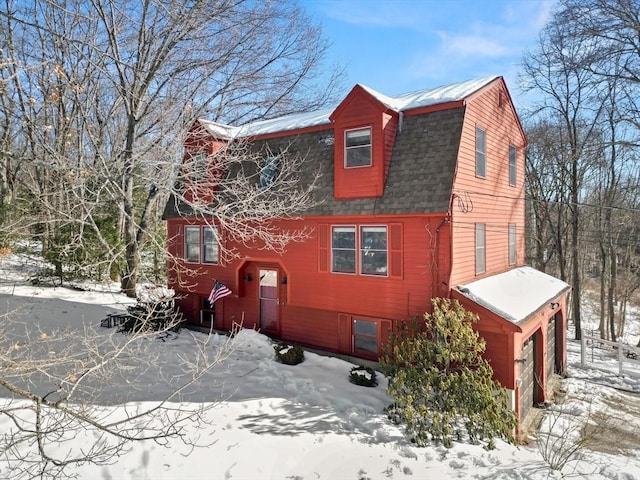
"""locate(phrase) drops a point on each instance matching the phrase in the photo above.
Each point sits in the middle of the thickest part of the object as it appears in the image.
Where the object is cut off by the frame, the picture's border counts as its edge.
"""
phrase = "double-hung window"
(373, 250)
(357, 148)
(210, 247)
(480, 248)
(201, 244)
(481, 153)
(371, 243)
(512, 244)
(192, 244)
(512, 165)
(343, 249)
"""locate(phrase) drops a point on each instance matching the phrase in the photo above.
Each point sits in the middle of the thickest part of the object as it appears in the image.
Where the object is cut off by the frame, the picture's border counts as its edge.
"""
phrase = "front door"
(269, 301)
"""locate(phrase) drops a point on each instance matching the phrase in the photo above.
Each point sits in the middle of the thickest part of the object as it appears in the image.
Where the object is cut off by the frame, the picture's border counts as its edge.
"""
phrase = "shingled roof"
(400, 103)
(423, 161)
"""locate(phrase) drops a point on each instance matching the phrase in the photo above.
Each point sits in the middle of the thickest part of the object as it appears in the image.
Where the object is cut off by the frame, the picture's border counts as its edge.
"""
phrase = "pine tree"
(441, 386)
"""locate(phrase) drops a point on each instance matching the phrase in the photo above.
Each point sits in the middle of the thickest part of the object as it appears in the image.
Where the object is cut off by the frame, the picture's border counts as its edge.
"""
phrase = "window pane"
(192, 244)
(343, 237)
(192, 253)
(480, 248)
(480, 152)
(374, 237)
(192, 234)
(209, 245)
(364, 327)
(357, 138)
(209, 235)
(374, 262)
(512, 165)
(512, 244)
(358, 157)
(367, 344)
(210, 253)
(344, 261)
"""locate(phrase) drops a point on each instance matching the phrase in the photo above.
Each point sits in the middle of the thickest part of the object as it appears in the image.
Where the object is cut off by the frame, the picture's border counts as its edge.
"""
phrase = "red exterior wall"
(489, 200)
(360, 110)
(316, 306)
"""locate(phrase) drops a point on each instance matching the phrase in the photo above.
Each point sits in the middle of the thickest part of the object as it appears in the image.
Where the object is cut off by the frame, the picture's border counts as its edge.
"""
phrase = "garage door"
(527, 375)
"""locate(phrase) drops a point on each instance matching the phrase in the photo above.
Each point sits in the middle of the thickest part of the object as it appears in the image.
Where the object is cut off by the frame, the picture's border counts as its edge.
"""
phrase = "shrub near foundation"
(443, 390)
(289, 354)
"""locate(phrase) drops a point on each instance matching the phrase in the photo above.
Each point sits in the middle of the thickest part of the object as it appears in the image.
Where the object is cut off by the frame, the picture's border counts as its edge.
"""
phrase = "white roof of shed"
(516, 294)
(408, 101)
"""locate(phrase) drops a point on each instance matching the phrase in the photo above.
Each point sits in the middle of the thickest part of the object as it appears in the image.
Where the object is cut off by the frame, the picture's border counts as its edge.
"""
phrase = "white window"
(210, 246)
(480, 248)
(365, 336)
(481, 161)
(373, 250)
(192, 244)
(371, 243)
(512, 165)
(512, 244)
(343, 249)
(357, 148)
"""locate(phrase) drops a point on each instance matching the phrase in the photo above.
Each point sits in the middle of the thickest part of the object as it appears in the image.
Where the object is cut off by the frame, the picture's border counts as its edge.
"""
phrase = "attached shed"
(522, 317)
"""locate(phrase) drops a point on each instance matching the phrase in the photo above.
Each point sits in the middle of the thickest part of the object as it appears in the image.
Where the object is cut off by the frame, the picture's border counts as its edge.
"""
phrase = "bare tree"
(122, 82)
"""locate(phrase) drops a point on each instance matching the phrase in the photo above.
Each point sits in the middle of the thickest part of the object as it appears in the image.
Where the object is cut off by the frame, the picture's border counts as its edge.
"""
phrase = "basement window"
(365, 336)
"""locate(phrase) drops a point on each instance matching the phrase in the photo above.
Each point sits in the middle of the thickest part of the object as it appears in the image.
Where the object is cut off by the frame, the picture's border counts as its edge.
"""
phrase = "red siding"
(490, 200)
(360, 110)
(313, 299)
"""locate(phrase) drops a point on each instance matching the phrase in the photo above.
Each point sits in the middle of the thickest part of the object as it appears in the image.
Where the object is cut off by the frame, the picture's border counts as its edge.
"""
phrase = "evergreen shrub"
(363, 376)
(289, 354)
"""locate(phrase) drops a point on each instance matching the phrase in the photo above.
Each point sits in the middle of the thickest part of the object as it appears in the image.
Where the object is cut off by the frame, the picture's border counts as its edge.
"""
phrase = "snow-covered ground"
(273, 421)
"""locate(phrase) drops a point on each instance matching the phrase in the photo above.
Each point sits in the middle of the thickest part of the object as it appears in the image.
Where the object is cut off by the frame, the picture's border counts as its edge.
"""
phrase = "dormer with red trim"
(365, 130)
(201, 145)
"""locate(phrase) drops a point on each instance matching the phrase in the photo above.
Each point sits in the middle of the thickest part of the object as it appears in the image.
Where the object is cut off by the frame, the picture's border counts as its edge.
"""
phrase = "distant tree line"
(583, 167)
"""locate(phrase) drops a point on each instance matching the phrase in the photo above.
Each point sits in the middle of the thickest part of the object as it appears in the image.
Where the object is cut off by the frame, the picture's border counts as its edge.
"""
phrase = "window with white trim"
(481, 149)
(512, 165)
(192, 244)
(357, 148)
(373, 251)
(365, 336)
(371, 243)
(480, 245)
(512, 244)
(210, 247)
(343, 249)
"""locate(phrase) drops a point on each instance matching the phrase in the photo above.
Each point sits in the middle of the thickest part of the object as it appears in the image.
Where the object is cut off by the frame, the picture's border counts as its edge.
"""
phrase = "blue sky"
(398, 46)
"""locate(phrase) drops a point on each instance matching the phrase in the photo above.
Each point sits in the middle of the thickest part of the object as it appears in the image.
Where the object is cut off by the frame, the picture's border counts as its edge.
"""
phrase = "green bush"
(363, 376)
(441, 386)
(289, 354)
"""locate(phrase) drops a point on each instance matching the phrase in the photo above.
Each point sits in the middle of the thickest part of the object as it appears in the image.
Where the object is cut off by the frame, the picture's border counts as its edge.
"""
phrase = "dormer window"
(357, 148)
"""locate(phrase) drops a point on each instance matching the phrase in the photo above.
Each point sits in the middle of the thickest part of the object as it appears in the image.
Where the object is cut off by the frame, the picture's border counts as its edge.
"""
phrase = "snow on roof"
(421, 98)
(516, 294)
(432, 96)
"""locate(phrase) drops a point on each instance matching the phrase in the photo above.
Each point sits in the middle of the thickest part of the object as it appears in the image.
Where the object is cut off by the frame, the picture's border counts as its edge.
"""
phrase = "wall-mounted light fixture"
(283, 281)
(248, 277)
(554, 305)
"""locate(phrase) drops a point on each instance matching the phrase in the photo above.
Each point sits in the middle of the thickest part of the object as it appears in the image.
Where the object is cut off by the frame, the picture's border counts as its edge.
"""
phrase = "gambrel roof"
(401, 103)
(423, 159)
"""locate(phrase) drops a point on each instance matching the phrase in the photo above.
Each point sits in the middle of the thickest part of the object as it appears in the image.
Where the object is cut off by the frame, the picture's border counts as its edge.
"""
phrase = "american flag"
(218, 291)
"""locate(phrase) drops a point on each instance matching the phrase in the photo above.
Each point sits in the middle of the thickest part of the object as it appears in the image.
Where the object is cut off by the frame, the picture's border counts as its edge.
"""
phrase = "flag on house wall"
(218, 291)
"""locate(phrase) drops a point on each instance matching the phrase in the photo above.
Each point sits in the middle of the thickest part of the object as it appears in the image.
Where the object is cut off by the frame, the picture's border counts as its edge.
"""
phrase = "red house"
(421, 195)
